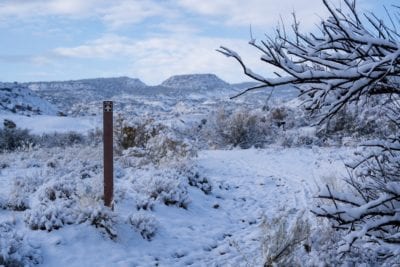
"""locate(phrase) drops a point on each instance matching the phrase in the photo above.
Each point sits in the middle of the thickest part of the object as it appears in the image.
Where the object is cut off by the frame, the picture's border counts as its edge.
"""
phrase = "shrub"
(57, 203)
(166, 186)
(145, 224)
(150, 142)
(196, 179)
(103, 218)
(241, 128)
(12, 139)
(282, 237)
(237, 128)
(21, 190)
(135, 135)
(69, 201)
(15, 250)
(61, 139)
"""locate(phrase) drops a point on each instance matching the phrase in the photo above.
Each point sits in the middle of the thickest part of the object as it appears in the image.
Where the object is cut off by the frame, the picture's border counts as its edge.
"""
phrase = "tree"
(351, 59)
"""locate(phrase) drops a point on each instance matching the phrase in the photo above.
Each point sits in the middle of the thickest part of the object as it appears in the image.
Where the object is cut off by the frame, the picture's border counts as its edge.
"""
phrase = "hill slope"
(19, 99)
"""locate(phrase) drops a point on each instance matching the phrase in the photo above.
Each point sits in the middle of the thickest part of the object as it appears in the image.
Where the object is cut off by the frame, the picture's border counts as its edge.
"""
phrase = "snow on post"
(108, 152)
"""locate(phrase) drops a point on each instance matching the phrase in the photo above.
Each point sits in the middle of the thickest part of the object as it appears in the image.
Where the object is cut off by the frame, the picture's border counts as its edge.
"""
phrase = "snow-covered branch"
(349, 58)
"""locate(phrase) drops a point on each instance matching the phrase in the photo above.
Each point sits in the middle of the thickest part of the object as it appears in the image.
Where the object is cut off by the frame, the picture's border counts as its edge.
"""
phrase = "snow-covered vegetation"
(351, 62)
(304, 177)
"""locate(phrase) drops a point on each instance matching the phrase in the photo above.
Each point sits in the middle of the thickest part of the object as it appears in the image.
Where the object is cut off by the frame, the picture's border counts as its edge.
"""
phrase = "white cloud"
(131, 12)
(114, 13)
(155, 59)
(105, 47)
(34, 8)
(262, 13)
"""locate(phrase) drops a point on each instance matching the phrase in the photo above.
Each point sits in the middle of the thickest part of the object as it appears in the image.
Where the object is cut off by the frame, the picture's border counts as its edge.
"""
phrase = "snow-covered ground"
(39, 124)
(222, 228)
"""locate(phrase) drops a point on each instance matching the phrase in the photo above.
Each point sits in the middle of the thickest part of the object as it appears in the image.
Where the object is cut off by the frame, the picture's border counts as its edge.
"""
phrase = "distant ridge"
(196, 81)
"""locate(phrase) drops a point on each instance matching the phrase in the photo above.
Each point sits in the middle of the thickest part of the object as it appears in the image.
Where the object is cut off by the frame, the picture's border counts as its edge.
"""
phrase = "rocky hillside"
(67, 93)
(19, 99)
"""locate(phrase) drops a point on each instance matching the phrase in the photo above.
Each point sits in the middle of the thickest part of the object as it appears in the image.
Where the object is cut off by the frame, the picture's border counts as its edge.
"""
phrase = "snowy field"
(225, 227)
(38, 124)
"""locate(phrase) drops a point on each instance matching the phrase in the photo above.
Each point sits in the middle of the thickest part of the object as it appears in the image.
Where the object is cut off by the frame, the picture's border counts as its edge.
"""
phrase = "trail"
(256, 185)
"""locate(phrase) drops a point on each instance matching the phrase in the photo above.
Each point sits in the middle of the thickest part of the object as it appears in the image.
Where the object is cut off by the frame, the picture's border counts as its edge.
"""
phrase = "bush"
(135, 135)
(166, 186)
(57, 204)
(243, 128)
(61, 139)
(146, 225)
(196, 179)
(150, 142)
(15, 250)
(22, 189)
(12, 139)
(238, 128)
(103, 218)
(282, 237)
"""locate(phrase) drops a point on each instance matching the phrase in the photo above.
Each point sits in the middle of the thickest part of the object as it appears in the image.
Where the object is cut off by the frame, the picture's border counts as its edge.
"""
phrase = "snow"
(223, 228)
(220, 208)
(49, 124)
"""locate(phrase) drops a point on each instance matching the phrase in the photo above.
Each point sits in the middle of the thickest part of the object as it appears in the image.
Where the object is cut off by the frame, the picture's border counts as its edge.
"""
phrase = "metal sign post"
(108, 152)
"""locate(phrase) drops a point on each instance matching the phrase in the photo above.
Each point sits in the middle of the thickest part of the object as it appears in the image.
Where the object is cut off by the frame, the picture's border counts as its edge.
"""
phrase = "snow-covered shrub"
(21, 191)
(281, 238)
(12, 139)
(167, 186)
(135, 134)
(61, 139)
(368, 123)
(102, 218)
(150, 142)
(238, 128)
(166, 147)
(246, 126)
(55, 206)
(278, 114)
(15, 249)
(242, 127)
(144, 202)
(299, 137)
(145, 224)
(196, 179)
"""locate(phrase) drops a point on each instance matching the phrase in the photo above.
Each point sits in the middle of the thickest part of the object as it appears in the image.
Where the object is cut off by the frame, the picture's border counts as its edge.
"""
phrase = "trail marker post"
(108, 153)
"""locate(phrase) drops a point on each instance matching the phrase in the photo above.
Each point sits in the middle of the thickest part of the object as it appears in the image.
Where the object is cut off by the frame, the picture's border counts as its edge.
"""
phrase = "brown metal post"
(108, 152)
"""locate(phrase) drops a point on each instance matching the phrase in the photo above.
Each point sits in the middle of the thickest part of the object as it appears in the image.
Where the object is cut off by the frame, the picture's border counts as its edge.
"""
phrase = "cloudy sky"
(43, 40)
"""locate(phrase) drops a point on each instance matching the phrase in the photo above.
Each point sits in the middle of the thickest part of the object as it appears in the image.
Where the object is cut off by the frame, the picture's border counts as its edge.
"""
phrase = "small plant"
(61, 139)
(14, 138)
(15, 250)
(282, 237)
(56, 207)
(150, 142)
(196, 179)
(145, 224)
(21, 190)
(104, 219)
(242, 128)
(166, 186)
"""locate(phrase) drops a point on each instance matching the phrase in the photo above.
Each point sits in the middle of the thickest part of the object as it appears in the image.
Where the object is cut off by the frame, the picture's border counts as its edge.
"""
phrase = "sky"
(48, 40)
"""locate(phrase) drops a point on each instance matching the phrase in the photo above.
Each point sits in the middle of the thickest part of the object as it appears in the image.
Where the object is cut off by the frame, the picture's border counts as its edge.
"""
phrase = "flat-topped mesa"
(196, 82)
